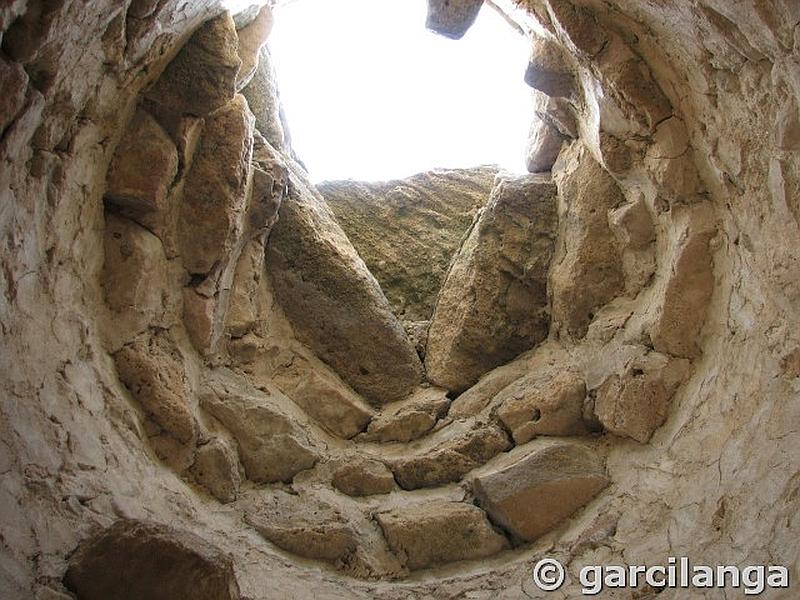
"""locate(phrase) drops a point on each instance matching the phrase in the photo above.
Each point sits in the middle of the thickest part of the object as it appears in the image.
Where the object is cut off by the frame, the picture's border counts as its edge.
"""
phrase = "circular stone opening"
(370, 94)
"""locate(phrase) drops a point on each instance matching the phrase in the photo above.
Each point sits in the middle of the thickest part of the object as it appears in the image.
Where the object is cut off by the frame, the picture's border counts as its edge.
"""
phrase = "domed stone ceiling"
(222, 381)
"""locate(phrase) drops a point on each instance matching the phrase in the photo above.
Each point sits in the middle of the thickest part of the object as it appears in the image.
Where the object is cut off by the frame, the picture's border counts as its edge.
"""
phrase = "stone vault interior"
(222, 381)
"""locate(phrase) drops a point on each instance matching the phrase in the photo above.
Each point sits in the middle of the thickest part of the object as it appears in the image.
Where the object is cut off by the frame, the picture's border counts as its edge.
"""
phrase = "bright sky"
(369, 93)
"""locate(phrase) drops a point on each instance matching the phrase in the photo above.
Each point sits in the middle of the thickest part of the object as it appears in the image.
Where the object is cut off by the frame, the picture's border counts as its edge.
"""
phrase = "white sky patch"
(370, 94)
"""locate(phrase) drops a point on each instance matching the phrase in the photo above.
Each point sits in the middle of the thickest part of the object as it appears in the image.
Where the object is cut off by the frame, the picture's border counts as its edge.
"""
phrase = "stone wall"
(198, 363)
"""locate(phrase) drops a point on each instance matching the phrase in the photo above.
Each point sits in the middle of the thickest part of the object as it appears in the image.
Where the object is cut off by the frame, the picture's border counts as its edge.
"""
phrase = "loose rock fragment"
(133, 560)
(439, 532)
(537, 492)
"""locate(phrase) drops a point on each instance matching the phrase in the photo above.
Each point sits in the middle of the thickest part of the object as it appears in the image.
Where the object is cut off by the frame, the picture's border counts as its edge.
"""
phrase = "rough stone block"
(439, 532)
(493, 305)
(536, 493)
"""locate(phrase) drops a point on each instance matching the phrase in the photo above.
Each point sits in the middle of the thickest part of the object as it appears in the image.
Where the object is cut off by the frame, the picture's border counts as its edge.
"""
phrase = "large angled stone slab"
(493, 305)
(334, 303)
(533, 495)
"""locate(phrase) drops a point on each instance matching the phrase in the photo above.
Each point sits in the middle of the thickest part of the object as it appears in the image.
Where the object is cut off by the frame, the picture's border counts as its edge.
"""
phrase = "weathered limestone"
(635, 402)
(363, 477)
(439, 532)
(151, 368)
(307, 527)
(214, 202)
(14, 81)
(408, 419)
(408, 230)
(476, 398)
(450, 460)
(540, 490)
(143, 168)
(683, 301)
(630, 80)
(273, 444)
(493, 304)
(334, 303)
(131, 560)
(243, 303)
(589, 272)
(252, 38)
(216, 468)
(202, 77)
(452, 18)
(544, 146)
(262, 96)
(324, 397)
(634, 230)
(135, 273)
(549, 403)
(559, 113)
(548, 69)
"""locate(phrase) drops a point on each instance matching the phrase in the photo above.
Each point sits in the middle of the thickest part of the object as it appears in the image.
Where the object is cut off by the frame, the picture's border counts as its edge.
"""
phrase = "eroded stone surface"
(683, 306)
(309, 528)
(408, 419)
(213, 206)
(202, 77)
(334, 303)
(534, 494)
(408, 230)
(549, 403)
(493, 304)
(252, 38)
(450, 460)
(131, 560)
(636, 402)
(548, 69)
(143, 168)
(151, 368)
(544, 146)
(216, 468)
(363, 477)
(135, 272)
(589, 271)
(273, 444)
(439, 532)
